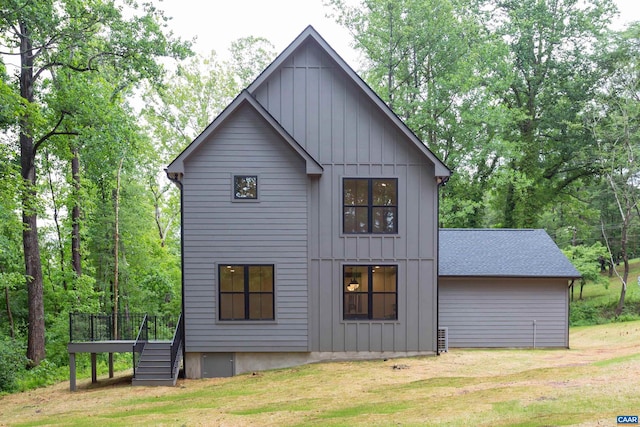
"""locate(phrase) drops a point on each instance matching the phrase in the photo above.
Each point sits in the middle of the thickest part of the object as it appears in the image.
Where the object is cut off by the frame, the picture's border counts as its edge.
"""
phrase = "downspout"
(569, 310)
(441, 180)
(176, 178)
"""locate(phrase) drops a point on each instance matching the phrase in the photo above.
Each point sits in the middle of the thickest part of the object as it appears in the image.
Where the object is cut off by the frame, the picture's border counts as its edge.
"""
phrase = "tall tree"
(81, 37)
(615, 122)
(193, 96)
(496, 88)
(549, 78)
(428, 59)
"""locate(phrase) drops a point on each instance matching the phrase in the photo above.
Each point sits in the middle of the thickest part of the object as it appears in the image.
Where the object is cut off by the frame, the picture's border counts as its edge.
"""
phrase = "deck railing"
(176, 345)
(141, 342)
(85, 327)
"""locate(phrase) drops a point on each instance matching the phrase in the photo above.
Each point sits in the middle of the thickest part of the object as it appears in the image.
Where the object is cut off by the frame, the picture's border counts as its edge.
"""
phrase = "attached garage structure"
(503, 288)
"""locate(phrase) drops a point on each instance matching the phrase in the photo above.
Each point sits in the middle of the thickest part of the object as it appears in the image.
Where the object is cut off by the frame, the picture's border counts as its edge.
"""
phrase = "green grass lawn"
(590, 384)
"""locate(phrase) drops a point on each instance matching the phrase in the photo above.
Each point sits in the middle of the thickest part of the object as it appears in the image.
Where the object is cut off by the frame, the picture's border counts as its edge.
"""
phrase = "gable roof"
(309, 33)
(501, 253)
(244, 99)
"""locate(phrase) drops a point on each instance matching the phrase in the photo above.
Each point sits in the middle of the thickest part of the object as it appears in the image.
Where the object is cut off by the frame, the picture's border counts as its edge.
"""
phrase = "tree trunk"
(116, 244)
(572, 292)
(624, 240)
(33, 267)
(7, 300)
(76, 259)
(55, 219)
(623, 290)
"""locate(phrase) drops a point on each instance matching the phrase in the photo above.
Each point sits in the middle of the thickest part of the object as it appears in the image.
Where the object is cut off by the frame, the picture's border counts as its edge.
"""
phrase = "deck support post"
(94, 371)
(110, 365)
(72, 372)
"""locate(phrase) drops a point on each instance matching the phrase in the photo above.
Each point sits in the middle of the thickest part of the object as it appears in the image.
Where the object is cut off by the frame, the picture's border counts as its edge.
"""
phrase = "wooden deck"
(95, 347)
(95, 332)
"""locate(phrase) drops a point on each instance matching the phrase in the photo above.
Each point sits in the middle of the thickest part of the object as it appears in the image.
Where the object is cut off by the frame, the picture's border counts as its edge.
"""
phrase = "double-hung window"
(370, 292)
(370, 205)
(246, 292)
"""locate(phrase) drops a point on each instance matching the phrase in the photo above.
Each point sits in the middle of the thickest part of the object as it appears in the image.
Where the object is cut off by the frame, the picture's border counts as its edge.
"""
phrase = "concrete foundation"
(253, 362)
(193, 365)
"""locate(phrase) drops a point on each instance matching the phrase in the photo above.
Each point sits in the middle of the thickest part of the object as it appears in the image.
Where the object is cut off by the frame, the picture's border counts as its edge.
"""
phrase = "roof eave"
(313, 167)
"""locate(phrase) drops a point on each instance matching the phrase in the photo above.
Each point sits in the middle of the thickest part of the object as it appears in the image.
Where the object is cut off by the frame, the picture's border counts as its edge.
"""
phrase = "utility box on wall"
(216, 365)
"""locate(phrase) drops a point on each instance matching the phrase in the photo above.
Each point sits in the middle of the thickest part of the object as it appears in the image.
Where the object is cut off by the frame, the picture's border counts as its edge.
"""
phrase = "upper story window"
(370, 205)
(245, 187)
(370, 292)
(246, 292)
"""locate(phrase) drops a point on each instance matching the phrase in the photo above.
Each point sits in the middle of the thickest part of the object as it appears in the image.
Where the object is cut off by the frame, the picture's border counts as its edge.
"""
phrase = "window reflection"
(245, 186)
(370, 205)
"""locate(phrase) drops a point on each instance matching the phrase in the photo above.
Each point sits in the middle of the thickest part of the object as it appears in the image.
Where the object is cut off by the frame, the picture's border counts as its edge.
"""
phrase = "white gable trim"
(176, 168)
(442, 172)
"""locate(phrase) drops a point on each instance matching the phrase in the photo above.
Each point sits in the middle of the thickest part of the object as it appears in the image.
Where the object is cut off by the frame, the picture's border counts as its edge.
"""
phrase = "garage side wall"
(505, 312)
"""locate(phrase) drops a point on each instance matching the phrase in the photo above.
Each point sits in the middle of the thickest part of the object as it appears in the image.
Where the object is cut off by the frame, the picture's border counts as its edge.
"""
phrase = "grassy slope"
(599, 301)
(603, 294)
(588, 385)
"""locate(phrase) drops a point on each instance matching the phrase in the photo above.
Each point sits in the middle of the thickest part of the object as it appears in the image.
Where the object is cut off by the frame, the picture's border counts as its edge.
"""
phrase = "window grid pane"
(246, 292)
(356, 192)
(232, 278)
(384, 192)
(384, 220)
(377, 301)
(356, 220)
(375, 213)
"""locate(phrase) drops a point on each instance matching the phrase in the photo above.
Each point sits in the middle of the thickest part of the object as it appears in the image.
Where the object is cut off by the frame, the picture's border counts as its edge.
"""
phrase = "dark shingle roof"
(501, 252)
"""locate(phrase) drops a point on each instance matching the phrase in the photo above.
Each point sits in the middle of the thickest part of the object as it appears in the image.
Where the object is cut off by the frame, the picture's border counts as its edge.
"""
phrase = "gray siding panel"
(327, 113)
(220, 231)
(482, 312)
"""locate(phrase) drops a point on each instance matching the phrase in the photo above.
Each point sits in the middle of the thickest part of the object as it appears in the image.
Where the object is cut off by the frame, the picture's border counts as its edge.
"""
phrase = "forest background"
(534, 104)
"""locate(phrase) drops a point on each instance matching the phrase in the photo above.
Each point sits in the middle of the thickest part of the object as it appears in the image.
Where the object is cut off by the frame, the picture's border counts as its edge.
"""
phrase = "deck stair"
(154, 367)
(156, 356)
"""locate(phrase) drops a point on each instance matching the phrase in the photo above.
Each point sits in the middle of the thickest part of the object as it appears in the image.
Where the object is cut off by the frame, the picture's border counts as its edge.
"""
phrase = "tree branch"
(54, 131)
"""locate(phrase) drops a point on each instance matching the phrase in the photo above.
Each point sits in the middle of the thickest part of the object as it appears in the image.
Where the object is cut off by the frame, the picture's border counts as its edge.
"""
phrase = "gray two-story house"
(309, 215)
(310, 232)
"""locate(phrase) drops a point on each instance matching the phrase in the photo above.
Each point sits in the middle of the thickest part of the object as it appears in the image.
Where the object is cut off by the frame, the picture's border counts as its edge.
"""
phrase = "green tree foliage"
(177, 111)
(615, 123)
(10, 103)
(12, 361)
(587, 260)
(68, 36)
(429, 60)
(496, 89)
(551, 77)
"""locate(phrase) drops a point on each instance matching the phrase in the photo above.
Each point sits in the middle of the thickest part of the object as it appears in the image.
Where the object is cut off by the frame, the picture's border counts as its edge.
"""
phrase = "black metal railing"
(176, 345)
(141, 342)
(125, 326)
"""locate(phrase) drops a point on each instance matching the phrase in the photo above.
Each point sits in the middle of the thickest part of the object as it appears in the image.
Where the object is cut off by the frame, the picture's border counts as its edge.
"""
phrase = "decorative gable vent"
(443, 340)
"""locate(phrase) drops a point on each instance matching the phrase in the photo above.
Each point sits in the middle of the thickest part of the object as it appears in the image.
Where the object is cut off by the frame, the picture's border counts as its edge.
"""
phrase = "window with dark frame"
(370, 292)
(245, 187)
(245, 292)
(370, 205)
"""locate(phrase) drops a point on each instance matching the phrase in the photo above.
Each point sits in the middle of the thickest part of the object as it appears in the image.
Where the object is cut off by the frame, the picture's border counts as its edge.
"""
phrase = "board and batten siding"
(220, 231)
(337, 124)
(500, 312)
